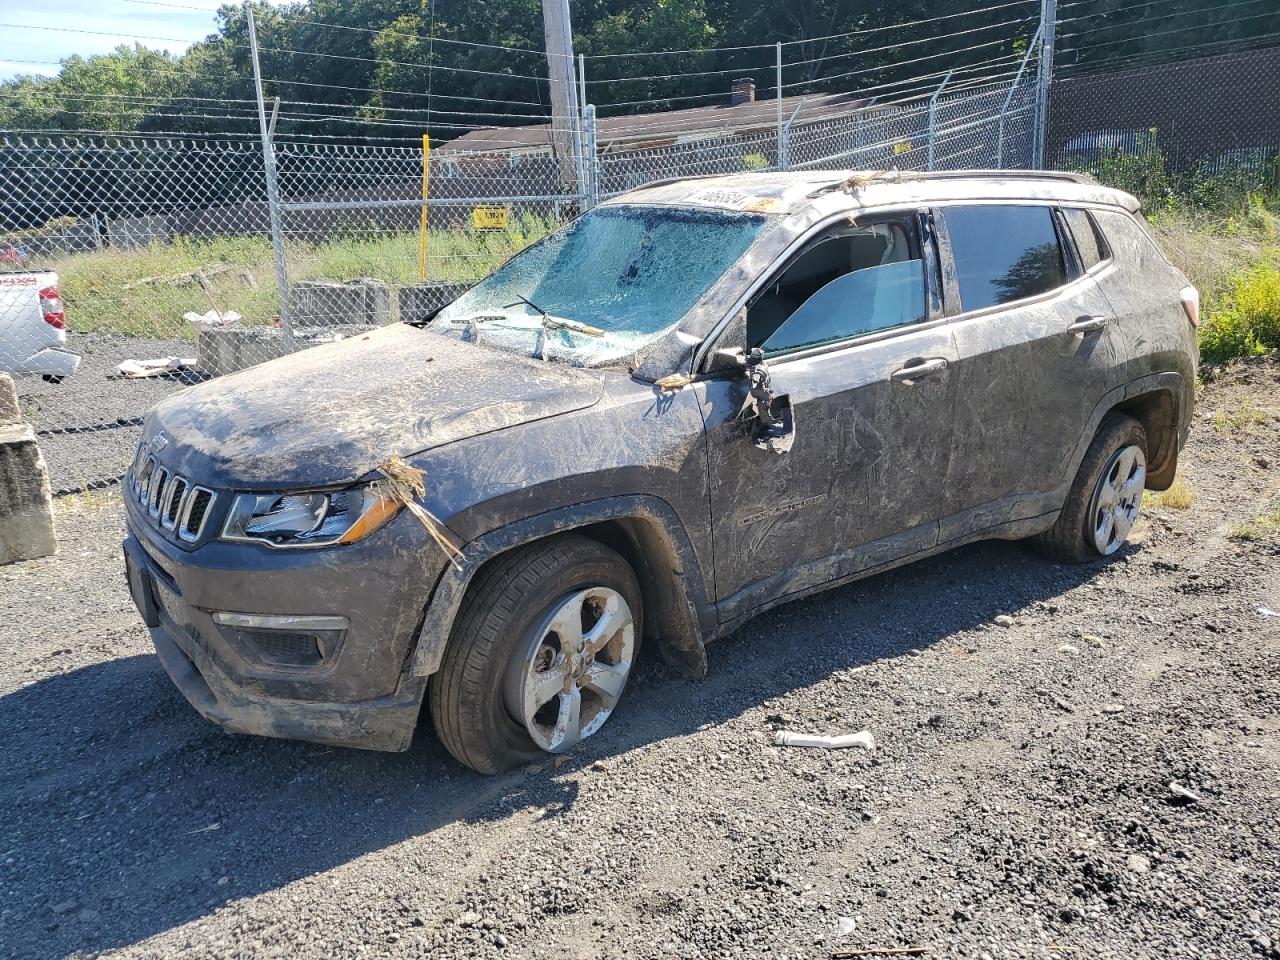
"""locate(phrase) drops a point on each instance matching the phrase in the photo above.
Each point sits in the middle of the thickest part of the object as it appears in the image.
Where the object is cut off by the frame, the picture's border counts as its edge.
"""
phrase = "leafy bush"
(1246, 320)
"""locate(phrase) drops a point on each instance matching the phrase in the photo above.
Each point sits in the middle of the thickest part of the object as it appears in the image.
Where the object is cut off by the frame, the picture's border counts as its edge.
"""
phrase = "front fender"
(693, 613)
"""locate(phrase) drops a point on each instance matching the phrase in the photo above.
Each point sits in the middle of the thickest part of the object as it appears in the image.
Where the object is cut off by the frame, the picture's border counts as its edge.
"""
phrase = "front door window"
(853, 280)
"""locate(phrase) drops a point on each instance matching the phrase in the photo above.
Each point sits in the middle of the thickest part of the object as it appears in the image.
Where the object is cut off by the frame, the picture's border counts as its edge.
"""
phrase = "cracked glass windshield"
(610, 282)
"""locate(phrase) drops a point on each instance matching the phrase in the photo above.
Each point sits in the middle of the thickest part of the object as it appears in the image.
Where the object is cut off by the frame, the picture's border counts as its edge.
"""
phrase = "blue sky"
(106, 25)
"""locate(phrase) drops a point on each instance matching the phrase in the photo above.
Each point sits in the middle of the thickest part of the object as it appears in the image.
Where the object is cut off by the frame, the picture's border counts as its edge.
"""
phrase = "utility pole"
(564, 90)
(1048, 25)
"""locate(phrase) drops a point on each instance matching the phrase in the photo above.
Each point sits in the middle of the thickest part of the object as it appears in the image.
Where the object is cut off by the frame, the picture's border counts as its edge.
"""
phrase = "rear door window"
(1004, 253)
(1085, 233)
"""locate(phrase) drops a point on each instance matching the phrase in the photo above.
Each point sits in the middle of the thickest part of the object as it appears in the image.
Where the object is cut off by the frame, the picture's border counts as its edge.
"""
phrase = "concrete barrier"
(26, 511)
(333, 303)
(223, 350)
(420, 301)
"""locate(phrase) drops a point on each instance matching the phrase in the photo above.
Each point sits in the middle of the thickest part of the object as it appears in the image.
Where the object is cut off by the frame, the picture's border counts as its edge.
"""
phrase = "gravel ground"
(88, 422)
(1030, 719)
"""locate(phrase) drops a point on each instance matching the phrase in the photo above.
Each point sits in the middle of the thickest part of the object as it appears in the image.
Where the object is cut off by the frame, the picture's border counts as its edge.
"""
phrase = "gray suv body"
(699, 400)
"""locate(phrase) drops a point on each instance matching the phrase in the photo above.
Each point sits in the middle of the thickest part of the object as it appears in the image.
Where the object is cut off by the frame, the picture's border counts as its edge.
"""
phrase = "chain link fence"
(1202, 129)
(161, 257)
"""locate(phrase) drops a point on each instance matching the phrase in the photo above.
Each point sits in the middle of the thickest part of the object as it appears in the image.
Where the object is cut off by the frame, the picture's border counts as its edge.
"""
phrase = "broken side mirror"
(771, 420)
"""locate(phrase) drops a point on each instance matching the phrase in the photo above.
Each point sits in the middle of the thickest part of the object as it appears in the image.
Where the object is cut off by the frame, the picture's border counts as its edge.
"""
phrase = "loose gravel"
(1070, 762)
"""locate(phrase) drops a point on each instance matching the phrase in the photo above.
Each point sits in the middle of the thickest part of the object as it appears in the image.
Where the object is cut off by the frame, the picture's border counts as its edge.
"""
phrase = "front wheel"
(540, 654)
(1105, 497)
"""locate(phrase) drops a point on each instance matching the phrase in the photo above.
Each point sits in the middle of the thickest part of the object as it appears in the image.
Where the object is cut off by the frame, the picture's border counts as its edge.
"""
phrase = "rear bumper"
(50, 362)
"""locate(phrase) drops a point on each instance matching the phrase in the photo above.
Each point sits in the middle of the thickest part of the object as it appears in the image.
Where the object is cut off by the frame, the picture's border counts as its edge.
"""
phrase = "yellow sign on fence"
(901, 147)
(489, 216)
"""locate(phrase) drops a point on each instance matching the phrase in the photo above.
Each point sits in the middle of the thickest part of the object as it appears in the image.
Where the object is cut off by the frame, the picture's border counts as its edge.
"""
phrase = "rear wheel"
(540, 654)
(1106, 496)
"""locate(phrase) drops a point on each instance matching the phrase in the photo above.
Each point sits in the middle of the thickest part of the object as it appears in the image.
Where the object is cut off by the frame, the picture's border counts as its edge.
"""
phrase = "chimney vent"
(742, 91)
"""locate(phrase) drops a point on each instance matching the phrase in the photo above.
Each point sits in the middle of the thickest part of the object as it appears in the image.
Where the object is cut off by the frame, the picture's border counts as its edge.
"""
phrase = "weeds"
(1243, 421)
(1245, 320)
(147, 291)
(1259, 527)
(1178, 497)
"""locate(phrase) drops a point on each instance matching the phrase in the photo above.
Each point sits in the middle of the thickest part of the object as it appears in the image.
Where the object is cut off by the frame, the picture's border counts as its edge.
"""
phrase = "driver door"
(852, 335)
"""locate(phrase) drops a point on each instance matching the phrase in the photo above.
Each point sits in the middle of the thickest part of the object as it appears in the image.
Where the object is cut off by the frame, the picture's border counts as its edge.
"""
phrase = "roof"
(642, 129)
(784, 192)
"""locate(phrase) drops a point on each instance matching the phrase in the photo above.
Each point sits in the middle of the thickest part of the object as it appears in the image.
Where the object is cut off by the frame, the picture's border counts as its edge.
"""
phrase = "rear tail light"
(51, 306)
(1191, 303)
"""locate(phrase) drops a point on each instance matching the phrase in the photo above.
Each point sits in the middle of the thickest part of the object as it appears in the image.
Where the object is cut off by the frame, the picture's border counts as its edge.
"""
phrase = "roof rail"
(987, 174)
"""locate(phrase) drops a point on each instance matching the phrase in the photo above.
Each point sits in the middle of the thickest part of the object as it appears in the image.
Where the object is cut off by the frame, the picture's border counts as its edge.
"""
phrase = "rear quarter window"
(1089, 244)
(1131, 243)
(1003, 253)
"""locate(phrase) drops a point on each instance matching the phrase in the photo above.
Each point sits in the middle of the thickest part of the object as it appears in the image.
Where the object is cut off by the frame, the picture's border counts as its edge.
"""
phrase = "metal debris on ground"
(863, 738)
(407, 484)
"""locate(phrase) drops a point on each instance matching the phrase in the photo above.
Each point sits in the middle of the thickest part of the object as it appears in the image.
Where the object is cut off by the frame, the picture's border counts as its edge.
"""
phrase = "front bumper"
(360, 693)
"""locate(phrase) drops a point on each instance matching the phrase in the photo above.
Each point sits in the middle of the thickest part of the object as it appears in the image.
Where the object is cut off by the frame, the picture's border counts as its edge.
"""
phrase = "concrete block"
(332, 303)
(223, 350)
(418, 302)
(26, 503)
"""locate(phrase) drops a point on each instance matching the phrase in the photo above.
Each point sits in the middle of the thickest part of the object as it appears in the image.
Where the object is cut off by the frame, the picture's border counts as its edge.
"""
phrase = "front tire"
(539, 655)
(1105, 497)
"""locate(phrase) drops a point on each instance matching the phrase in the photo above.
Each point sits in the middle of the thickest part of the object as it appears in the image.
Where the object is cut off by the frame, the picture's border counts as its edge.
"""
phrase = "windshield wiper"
(549, 323)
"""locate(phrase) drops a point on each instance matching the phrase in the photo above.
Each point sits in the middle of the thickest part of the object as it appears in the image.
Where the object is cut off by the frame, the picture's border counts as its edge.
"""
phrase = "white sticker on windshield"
(721, 197)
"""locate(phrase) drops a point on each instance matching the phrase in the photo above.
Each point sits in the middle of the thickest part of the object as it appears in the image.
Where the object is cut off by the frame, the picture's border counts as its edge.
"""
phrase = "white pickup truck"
(33, 326)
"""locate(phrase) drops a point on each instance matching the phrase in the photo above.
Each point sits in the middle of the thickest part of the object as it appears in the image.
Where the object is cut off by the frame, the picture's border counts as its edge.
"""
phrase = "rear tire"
(515, 638)
(1103, 504)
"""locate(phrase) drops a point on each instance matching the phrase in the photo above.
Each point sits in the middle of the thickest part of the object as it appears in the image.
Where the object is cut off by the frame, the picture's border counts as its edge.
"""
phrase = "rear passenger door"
(1036, 342)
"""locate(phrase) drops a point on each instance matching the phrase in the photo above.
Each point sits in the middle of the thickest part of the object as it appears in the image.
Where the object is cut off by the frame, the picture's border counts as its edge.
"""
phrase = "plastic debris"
(137, 369)
(863, 738)
(1182, 793)
(1267, 612)
(212, 319)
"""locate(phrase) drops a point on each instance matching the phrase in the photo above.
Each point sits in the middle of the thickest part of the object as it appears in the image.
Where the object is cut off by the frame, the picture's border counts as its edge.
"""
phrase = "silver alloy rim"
(566, 681)
(1117, 499)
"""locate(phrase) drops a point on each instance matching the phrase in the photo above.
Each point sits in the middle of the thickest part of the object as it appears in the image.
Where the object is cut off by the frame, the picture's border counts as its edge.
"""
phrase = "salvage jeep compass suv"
(697, 401)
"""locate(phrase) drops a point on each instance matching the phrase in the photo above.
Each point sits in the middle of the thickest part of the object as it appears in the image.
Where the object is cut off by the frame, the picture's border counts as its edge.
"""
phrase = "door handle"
(1087, 325)
(919, 370)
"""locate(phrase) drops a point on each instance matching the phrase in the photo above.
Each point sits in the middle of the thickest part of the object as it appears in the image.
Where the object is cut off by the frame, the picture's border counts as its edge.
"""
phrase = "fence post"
(1048, 29)
(1017, 77)
(781, 132)
(273, 190)
(933, 118)
(581, 138)
(592, 160)
(784, 146)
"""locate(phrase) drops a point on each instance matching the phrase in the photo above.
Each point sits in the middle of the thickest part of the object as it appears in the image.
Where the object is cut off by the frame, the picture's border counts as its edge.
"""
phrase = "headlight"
(308, 519)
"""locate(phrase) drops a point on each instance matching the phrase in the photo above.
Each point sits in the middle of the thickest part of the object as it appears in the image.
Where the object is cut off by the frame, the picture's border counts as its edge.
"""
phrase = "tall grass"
(145, 292)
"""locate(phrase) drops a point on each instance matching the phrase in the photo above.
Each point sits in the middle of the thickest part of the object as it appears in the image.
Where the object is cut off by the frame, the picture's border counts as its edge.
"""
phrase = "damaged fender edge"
(689, 614)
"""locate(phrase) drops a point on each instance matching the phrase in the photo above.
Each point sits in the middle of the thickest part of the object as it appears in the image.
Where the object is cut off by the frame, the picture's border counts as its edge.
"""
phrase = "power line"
(898, 63)
(1166, 33)
(908, 43)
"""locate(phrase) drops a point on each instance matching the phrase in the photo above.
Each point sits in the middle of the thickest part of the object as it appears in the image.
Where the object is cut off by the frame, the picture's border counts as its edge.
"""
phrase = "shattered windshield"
(597, 291)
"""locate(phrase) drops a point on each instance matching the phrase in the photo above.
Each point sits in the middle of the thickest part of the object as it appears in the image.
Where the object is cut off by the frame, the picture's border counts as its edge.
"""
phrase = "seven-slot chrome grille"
(172, 502)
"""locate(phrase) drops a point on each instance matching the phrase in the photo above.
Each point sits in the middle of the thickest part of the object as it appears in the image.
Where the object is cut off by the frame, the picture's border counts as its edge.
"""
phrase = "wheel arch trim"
(662, 547)
(1171, 383)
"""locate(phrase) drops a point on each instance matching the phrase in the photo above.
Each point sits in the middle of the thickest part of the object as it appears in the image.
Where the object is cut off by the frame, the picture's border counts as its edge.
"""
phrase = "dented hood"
(332, 413)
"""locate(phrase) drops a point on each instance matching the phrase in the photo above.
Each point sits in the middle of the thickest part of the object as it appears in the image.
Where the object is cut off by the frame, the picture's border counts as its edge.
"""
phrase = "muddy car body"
(938, 359)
